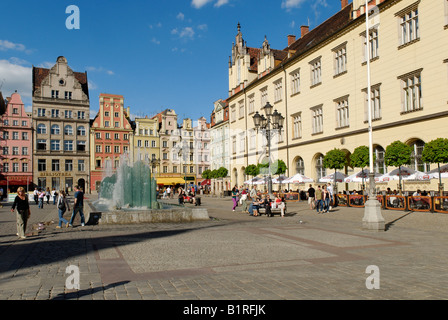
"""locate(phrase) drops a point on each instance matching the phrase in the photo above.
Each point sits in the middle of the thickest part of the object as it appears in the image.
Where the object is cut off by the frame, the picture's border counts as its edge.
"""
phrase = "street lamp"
(272, 121)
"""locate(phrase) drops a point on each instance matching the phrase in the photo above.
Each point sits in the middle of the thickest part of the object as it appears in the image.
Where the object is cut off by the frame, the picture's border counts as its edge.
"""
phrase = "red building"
(111, 138)
(16, 146)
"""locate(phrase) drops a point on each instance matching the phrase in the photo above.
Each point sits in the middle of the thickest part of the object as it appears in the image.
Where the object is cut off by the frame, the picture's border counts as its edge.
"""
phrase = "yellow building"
(147, 142)
(319, 84)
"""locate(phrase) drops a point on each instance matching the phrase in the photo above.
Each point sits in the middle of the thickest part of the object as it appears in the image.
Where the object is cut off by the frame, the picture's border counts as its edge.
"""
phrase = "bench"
(262, 210)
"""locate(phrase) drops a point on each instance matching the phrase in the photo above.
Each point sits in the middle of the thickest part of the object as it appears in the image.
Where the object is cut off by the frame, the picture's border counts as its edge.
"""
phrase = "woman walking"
(63, 206)
(41, 198)
(23, 211)
(234, 198)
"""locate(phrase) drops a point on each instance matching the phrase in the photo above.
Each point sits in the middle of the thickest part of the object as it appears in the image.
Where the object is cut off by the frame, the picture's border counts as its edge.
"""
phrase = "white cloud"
(154, 40)
(14, 77)
(289, 4)
(180, 16)
(199, 3)
(187, 32)
(8, 45)
(101, 70)
(202, 27)
(221, 3)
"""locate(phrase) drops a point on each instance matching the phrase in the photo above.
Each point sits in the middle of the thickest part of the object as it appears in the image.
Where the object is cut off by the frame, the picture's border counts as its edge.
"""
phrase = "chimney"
(344, 3)
(304, 30)
(291, 39)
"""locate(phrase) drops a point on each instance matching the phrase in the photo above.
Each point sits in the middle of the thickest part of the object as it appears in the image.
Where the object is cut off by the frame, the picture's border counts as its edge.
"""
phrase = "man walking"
(311, 194)
(330, 191)
(319, 204)
(78, 206)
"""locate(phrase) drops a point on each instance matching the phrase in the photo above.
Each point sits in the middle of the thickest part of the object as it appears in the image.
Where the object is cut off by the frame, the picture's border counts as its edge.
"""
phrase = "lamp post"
(272, 121)
(372, 220)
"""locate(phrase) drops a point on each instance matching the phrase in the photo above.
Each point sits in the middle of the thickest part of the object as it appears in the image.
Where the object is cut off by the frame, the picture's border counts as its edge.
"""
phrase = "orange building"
(111, 138)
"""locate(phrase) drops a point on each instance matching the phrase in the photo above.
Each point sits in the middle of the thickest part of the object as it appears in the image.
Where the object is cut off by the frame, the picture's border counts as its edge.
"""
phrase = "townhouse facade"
(111, 138)
(202, 140)
(16, 164)
(319, 83)
(60, 118)
(219, 149)
(147, 142)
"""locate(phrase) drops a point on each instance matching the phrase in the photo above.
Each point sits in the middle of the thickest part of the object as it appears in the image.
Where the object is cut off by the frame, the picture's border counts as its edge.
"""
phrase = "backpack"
(61, 204)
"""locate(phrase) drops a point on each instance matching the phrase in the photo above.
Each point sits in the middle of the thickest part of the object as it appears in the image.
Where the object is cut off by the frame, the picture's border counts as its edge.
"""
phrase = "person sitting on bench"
(278, 203)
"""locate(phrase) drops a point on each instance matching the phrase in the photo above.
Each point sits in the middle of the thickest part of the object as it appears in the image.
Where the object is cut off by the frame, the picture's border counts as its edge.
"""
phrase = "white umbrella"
(421, 176)
(330, 178)
(280, 180)
(361, 176)
(443, 171)
(299, 178)
(405, 172)
(253, 180)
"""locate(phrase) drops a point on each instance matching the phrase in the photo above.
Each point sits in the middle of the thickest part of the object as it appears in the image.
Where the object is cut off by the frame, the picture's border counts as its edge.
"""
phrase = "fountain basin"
(101, 214)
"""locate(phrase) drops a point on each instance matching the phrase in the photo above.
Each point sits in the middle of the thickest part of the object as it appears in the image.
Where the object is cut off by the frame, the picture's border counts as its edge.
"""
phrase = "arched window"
(416, 156)
(81, 131)
(300, 166)
(380, 165)
(68, 130)
(41, 129)
(55, 129)
(320, 170)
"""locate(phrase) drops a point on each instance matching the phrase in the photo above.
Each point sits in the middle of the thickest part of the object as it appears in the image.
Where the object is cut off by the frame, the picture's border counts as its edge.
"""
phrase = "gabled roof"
(39, 74)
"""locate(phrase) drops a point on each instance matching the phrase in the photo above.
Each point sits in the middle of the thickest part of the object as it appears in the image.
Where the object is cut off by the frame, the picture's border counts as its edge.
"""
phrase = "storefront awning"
(170, 181)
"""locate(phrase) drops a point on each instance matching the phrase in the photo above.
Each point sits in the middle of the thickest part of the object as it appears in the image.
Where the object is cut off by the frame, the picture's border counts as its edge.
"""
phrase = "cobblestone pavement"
(232, 256)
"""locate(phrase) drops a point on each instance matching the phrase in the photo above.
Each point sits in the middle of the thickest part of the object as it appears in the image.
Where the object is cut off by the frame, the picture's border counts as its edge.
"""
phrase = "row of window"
(15, 135)
(184, 169)
(55, 145)
(98, 135)
(55, 94)
(56, 165)
(409, 32)
(15, 123)
(379, 165)
(55, 129)
(108, 148)
(15, 151)
(15, 167)
(176, 157)
(67, 114)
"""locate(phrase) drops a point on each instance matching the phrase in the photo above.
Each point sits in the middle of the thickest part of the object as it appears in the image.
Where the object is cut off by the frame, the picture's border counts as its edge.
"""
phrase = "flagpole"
(372, 220)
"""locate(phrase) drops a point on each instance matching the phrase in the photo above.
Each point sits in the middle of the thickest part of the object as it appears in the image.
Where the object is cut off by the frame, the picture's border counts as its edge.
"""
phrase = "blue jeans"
(75, 211)
(319, 205)
(61, 217)
(41, 203)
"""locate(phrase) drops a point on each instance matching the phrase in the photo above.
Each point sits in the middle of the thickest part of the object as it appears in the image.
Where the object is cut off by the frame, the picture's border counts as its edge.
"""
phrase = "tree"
(252, 170)
(398, 154)
(278, 167)
(207, 174)
(436, 151)
(222, 172)
(335, 159)
(360, 158)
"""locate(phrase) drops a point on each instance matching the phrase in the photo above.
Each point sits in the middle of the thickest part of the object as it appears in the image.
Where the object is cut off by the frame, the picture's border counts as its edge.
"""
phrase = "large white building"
(319, 83)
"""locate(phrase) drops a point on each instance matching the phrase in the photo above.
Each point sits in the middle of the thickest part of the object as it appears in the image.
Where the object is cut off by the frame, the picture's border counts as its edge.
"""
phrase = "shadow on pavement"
(87, 292)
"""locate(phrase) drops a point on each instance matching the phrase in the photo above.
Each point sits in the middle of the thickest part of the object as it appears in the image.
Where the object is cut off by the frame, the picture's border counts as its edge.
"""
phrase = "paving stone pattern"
(231, 257)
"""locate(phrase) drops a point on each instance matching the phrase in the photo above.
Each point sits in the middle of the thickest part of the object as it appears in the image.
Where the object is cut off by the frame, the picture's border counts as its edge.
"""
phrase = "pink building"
(16, 169)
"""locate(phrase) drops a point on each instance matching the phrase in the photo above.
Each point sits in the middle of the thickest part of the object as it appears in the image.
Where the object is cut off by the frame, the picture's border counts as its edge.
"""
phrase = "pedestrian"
(48, 195)
(253, 192)
(278, 203)
(36, 195)
(181, 196)
(63, 206)
(234, 198)
(331, 192)
(318, 195)
(23, 211)
(244, 200)
(256, 206)
(168, 192)
(41, 198)
(54, 194)
(325, 198)
(311, 195)
(78, 206)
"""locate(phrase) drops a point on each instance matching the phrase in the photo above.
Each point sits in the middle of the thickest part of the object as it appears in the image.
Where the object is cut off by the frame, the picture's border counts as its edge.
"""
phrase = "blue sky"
(157, 54)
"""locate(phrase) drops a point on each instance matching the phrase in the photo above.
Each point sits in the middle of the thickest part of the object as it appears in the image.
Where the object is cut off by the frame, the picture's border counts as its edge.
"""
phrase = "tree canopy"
(436, 151)
(335, 159)
(360, 157)
(397, 154)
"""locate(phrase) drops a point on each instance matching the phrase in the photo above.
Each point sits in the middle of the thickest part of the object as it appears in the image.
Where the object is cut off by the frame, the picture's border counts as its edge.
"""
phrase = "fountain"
(129, 196)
